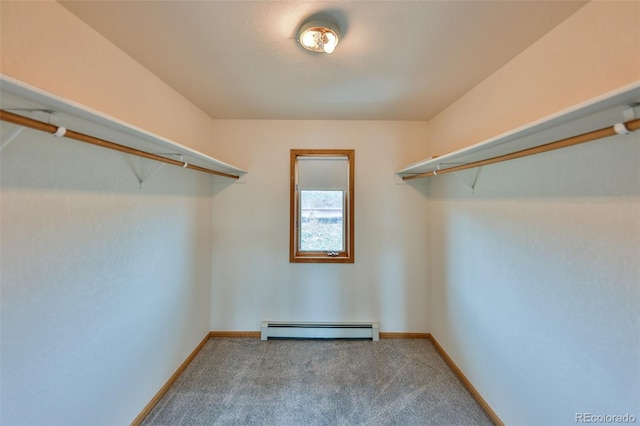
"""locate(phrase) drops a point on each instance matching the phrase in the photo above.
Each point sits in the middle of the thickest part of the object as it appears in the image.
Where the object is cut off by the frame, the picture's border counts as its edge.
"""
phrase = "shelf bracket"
(10, 137)
(631, 112)
(470, 182)
(141, 176)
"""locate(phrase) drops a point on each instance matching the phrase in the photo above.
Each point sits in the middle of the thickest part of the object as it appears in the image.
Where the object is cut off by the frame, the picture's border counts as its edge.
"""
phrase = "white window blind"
(323, 173)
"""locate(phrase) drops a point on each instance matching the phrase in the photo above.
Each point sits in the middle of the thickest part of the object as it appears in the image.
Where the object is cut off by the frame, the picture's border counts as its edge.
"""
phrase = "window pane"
(321, 220)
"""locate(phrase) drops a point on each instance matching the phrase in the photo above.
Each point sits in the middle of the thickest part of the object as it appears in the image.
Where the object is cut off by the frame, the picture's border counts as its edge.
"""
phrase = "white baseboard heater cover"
(320, 330)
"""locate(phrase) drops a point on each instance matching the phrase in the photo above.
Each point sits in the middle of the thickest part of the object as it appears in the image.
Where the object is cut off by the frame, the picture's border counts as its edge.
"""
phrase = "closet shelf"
(596, 116)
(21, 99)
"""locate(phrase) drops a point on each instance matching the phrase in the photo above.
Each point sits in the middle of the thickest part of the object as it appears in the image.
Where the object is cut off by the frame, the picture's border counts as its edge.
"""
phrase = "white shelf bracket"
(13, 134)
(473, 180)
(631, 112)
(142, 178)
(9, 137)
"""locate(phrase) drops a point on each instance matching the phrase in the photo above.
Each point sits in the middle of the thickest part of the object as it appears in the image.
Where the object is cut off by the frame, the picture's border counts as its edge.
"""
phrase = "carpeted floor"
(244, 381)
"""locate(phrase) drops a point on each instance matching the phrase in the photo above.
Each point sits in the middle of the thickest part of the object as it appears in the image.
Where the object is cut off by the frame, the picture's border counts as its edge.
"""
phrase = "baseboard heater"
(320, 330)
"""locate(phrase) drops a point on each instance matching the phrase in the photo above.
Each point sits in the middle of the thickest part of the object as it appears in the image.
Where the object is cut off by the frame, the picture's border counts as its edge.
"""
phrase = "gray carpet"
(246, 381)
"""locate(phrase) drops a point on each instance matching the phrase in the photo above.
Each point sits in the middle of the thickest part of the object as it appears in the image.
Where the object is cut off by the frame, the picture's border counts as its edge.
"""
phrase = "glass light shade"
(319, 37)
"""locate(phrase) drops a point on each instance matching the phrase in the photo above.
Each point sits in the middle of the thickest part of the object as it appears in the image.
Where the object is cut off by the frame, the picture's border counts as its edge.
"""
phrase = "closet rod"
(629, 126)
(60, 131)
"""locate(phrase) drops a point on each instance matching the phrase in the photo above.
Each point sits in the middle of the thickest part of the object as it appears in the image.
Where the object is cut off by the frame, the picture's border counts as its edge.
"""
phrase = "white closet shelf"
(23, 99)
(606, 110)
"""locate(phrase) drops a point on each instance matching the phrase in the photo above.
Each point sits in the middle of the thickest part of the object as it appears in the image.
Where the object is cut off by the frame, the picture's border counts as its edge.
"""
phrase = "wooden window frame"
(345, 256)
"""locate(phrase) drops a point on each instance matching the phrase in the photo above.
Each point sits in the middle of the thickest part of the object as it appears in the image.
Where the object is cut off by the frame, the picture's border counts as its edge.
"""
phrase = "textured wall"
(252, 277)
(535, 278)
(535, 281)
(105, 287)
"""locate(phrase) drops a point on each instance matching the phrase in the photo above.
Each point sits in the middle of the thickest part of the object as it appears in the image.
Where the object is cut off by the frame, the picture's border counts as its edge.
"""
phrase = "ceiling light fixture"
(318, 36)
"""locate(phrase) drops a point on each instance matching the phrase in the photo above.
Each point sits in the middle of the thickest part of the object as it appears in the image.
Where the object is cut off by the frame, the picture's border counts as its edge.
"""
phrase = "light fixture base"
(319, 36)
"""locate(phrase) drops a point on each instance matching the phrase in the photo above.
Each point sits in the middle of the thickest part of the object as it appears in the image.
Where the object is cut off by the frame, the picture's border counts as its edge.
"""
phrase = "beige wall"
(46, 46)
(594, 51)
(533, 285)
(105, 287)
(252, 277)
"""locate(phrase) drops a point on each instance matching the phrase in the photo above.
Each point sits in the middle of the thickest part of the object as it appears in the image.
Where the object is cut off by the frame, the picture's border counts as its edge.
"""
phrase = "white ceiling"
(397, 60)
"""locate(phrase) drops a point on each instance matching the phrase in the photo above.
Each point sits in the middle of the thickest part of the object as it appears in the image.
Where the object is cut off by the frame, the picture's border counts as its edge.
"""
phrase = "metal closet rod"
(618, 129)
(61, 131)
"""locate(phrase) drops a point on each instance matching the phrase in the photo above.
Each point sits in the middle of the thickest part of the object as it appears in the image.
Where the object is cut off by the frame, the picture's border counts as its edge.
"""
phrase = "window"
(321, 228)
